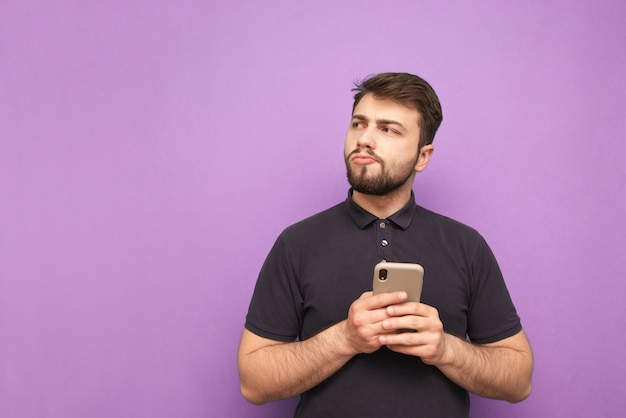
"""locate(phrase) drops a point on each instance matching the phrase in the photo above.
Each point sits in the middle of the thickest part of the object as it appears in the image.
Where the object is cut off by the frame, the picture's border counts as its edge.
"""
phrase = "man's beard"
(386, 182)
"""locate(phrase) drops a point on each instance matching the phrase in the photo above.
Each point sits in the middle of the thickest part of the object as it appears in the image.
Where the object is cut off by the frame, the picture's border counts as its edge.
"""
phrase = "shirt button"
(384, 243)
(382, 225)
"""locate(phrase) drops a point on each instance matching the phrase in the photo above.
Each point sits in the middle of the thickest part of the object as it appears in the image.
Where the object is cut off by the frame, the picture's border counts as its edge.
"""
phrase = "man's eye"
(388, 130)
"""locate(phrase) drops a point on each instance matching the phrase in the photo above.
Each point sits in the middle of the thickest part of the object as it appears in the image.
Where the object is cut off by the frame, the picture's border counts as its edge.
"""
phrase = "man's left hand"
(429, 340)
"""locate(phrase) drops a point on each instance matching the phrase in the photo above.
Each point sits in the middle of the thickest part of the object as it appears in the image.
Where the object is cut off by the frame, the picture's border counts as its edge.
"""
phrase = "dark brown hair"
(408, 90)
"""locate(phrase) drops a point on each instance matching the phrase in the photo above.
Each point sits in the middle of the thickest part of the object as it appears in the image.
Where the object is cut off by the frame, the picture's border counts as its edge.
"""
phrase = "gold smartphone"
(394, 277)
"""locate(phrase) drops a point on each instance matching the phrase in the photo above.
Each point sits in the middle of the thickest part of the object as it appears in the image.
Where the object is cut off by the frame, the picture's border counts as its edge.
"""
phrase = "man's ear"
(422, 161)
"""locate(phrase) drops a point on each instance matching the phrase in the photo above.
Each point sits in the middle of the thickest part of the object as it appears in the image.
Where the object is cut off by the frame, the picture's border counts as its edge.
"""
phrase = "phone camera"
(382, 275)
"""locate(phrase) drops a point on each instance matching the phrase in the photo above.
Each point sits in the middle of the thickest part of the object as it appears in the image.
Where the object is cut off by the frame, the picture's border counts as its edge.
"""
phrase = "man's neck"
(385, 205)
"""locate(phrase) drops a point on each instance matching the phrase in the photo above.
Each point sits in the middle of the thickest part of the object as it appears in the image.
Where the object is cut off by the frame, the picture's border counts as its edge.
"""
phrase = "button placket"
(383, 239)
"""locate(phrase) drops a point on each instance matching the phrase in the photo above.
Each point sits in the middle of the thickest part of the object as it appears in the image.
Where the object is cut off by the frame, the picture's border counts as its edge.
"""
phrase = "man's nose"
(367, 139)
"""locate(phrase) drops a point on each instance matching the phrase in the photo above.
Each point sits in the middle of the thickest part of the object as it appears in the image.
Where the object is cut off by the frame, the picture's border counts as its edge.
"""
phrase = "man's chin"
(368, 187)
(366, 173)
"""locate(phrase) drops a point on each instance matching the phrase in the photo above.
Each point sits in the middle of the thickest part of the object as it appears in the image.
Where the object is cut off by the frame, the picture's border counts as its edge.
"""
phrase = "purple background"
(151, 152)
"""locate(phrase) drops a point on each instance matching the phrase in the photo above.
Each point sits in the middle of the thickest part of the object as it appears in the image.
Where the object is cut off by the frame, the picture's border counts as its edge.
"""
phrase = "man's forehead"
(371, 106)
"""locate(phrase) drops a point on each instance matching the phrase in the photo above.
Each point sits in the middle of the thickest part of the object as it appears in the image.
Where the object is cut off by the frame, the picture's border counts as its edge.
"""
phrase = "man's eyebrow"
(389, 122)
(379, 121)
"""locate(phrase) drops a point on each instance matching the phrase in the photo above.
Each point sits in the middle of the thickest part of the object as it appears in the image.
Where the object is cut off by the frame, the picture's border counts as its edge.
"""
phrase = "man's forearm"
(283, 370)
(489, 371)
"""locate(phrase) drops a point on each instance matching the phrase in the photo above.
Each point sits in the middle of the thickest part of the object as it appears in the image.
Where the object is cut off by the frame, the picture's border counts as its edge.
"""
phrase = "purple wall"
(151, 151)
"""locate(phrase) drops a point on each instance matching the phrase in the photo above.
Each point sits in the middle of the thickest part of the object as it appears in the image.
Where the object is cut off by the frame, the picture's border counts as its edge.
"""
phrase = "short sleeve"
(492, 315)
(275, 310)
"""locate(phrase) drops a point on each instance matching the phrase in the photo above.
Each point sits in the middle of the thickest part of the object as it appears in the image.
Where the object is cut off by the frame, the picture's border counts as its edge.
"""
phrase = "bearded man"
(315, 329)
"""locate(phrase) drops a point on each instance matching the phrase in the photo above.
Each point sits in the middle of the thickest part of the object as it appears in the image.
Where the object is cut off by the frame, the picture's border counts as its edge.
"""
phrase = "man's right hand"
(365, 317)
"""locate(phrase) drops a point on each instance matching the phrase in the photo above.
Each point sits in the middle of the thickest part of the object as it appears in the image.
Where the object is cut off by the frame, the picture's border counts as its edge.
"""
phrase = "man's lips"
(363, 159)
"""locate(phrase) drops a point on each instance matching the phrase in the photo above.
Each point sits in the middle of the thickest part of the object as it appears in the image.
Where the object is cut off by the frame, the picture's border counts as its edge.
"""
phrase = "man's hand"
(500, 370)
(365, 325)
(428, 342)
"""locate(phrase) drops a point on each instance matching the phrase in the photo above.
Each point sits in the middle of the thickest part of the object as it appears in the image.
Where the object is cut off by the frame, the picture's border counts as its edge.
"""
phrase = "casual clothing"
(320, 265)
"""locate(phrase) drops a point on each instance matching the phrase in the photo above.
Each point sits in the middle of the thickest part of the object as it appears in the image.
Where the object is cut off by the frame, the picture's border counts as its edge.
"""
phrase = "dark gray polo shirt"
(320, 265)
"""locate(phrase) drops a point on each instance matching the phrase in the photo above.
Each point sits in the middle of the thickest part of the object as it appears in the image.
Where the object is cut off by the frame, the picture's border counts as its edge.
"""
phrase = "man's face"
(381, 148)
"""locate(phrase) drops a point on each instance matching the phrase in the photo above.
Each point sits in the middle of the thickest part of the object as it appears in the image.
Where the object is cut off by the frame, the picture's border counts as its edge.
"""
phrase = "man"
(314, 327)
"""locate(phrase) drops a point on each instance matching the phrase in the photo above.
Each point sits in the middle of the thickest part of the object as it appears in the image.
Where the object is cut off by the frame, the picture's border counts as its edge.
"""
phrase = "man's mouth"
(362, 158)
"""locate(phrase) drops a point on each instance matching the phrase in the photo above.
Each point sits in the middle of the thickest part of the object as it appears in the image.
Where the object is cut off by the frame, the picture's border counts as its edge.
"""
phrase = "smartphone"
(394, 277)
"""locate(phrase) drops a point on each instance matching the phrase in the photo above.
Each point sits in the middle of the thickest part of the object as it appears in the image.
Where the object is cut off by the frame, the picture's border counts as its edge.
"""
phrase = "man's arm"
(271, 370)
(500, 370)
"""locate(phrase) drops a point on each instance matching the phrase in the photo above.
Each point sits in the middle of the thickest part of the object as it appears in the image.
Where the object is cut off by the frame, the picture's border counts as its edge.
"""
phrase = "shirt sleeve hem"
(499, 336)
(277, 336)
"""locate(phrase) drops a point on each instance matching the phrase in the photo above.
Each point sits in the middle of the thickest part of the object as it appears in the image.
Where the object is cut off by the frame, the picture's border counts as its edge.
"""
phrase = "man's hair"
(409, 90)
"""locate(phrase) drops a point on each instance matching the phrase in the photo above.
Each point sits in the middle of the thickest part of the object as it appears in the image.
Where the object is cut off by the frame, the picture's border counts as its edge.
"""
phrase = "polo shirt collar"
(363, 218)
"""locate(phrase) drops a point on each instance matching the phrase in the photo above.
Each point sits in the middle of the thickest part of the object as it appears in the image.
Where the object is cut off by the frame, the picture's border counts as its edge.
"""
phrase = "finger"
(369, 310)
(425, 346)
(382, 300)
(402, 339)
(369, 319)
(409, 323)
(366, 313)
(412, 308)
